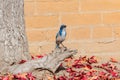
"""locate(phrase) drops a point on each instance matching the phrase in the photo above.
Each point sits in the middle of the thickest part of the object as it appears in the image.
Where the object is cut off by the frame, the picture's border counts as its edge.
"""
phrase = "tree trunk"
(13, 41)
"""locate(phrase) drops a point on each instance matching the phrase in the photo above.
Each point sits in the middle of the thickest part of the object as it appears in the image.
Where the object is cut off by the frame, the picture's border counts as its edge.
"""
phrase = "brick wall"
(93, 25)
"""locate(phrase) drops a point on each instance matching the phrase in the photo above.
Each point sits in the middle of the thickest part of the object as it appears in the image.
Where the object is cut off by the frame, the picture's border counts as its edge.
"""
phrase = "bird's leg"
(57, 45)
(64, 46)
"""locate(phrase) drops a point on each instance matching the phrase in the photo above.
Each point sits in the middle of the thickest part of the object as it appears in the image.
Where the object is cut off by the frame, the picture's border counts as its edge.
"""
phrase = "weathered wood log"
(50, 62)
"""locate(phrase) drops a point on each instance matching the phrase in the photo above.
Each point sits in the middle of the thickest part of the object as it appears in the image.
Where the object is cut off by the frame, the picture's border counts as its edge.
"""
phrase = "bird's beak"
(65, 26)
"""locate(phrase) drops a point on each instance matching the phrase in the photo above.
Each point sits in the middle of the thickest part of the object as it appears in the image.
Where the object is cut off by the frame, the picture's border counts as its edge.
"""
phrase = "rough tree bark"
(13, 42)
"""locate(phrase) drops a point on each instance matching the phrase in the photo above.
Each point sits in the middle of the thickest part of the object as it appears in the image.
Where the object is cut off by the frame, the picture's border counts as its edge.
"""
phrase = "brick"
(28, 0)
(29, 8)
(51, 34)
(72, 45)
(117, 32)
(102, 32)
(80, 33)
(55, 0)
(81, 19)
(46, 49)
(34, 50)
(41, 49)
(41, 21)
(111, 18)
(94, 48)
(68, 34)
(36, 35)
(100, 5)
(57, 6)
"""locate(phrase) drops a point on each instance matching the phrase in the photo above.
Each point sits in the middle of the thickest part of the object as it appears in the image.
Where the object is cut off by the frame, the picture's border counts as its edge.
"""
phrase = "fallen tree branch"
(51, 62)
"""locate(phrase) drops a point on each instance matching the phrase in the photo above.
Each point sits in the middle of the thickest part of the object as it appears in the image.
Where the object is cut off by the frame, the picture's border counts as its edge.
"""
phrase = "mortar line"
(102, 19)
(79, 6)
(82, 12)
(35, 8)
(60, 19)
(91, 32)
(105, 40)
(70, 27)
(113, 31)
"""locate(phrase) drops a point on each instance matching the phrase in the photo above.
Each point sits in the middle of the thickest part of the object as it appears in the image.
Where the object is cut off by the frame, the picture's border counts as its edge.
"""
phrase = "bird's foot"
(58, 48)
(65, 48)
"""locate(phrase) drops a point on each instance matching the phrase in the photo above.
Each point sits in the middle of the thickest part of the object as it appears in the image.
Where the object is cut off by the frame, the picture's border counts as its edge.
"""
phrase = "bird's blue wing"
(60, 32)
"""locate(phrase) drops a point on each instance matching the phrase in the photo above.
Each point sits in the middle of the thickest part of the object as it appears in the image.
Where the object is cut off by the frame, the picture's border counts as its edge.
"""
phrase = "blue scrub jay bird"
(60, 37)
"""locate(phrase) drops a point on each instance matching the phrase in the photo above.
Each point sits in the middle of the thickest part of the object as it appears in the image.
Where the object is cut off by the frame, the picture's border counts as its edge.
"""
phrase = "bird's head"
(62, 27)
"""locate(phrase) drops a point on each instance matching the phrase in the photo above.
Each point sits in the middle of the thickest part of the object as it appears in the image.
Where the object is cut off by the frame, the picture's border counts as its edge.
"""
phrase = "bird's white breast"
(63, 34)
